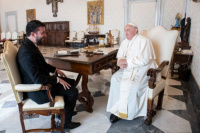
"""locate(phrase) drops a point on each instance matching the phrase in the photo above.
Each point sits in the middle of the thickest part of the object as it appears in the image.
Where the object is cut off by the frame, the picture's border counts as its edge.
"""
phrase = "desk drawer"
(100, 64)
(113, 57)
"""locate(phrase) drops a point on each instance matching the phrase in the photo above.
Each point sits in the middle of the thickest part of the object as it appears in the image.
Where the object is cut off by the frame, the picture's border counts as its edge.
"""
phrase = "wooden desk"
(179, 58)
(177, 46)
(84, 66)
(94, 37)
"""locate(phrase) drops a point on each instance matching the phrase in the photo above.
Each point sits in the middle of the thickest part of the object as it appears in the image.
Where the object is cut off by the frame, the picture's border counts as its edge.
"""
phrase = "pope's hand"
(122, 63)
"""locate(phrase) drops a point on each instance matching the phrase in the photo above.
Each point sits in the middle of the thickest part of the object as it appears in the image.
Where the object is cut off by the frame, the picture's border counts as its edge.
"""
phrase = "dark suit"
(34, 70)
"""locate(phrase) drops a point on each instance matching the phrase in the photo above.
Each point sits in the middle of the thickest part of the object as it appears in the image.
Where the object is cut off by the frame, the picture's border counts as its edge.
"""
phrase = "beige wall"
(194, 13)
(74, 11)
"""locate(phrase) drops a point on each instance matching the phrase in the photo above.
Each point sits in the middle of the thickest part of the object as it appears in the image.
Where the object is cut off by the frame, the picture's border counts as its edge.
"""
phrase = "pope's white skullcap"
(133, 24)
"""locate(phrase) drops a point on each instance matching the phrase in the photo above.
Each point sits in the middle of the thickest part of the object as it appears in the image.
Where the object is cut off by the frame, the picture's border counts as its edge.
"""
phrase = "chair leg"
(62, 114)
(53, 125)
(160, 100)
(150, 112)
(21, 117)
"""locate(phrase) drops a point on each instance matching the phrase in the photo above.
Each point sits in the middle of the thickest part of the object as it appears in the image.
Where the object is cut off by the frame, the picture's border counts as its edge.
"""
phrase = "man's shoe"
(72, 125)
(114, 118)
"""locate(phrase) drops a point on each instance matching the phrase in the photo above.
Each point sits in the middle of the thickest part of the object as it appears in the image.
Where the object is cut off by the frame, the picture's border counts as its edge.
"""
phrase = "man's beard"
(39, 40)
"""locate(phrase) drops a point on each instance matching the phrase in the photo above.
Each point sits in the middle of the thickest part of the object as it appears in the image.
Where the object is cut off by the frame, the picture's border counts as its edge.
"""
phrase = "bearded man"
(35, 70)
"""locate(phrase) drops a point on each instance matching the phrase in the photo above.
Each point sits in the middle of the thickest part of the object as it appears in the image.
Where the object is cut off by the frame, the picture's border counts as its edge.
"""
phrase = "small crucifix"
(54, 6)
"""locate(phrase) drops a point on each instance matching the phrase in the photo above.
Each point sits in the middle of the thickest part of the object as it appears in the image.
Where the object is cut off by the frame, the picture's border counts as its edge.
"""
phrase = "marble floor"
(176, 116)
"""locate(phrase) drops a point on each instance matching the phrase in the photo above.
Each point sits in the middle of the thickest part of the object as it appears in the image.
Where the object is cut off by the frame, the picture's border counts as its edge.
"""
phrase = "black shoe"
(114, 118)
(72, 125)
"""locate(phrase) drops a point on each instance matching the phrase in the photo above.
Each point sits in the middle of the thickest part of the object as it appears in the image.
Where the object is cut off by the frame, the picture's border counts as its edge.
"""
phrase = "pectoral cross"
(54, 6)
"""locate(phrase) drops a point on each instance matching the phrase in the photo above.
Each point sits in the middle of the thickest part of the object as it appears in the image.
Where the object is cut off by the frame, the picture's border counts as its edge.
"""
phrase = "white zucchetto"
(133, 24)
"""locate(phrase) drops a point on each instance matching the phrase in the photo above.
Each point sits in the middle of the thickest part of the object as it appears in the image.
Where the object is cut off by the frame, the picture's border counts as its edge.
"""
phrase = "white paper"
(62, 52)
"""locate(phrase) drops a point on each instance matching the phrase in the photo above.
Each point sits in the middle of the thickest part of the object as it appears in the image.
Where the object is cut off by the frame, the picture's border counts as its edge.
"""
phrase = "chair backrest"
(8, 35)
(14, 35)
(80, 35)
(72, 35)
(3, 35)
(163, 42)
(21, 33)
(9, 60)
(115, 33)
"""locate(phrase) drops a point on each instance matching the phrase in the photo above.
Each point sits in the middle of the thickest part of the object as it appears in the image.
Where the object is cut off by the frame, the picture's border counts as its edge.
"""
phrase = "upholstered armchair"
(3, 36)
(20, 36)
(115, 34)
(27, 106)
(163, 42)
(80, 37)
(72, 37)
(8, 35)
(14, 37)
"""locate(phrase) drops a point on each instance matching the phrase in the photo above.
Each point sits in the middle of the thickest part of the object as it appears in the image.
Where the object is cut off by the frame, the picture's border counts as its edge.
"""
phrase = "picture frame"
(30, 15)
(95, 12)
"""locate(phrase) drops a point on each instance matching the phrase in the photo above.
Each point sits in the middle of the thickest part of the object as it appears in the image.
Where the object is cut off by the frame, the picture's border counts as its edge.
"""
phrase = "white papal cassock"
(129, 86)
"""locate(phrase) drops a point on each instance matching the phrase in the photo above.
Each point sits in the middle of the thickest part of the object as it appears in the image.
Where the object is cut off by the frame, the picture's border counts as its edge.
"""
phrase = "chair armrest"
(153, 73)
(113, 65)
(28, 87)
(36, 87)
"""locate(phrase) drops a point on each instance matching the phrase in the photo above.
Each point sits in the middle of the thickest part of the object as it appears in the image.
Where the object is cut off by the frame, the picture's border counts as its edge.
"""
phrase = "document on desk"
(100, 52)
(186, 51)
(67, 53)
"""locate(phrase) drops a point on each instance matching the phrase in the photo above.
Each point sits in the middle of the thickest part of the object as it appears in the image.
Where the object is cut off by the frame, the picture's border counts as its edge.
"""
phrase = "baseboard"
(196, 93)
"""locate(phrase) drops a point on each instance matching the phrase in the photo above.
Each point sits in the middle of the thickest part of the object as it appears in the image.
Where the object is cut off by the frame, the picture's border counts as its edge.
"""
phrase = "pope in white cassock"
(129, 85)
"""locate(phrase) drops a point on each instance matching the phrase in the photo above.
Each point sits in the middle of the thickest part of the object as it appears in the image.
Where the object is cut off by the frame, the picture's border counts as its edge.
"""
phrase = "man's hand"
(60, 73)
(64, 83)
(122, 63)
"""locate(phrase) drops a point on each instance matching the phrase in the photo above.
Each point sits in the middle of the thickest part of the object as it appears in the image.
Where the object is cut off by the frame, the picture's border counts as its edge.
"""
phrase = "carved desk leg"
(85, 96)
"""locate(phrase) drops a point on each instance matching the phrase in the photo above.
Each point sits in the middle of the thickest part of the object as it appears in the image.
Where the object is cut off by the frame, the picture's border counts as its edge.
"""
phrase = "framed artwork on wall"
(95, 12)
(30, 15)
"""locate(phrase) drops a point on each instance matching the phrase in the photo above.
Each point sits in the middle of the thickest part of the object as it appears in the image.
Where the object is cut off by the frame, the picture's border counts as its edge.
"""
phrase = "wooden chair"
(28, 107)
(115, 34)
(8, 35)
(72, 37)
(163, 42)
(3, 36)
(14, 37)
(20, 37)
(80, 37)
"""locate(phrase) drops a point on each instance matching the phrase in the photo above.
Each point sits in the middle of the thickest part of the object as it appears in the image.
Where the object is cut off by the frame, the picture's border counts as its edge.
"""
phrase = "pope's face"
(130, 31)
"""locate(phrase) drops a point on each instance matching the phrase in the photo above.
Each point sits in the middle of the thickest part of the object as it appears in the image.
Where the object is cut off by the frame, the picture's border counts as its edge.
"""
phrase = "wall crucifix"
(54, 6)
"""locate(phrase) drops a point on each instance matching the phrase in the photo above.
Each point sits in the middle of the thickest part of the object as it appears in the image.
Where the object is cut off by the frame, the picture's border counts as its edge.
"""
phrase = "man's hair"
(33, 26)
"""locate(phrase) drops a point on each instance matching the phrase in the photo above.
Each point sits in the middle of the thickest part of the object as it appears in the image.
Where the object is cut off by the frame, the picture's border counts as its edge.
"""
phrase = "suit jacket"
(34, 70)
